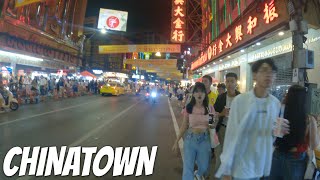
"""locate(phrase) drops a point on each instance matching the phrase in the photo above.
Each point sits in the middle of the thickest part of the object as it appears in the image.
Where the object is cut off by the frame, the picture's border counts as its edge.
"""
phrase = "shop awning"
(86, 73)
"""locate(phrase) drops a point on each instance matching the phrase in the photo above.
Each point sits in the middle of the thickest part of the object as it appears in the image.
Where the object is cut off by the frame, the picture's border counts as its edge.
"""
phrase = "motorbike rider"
(4, 95)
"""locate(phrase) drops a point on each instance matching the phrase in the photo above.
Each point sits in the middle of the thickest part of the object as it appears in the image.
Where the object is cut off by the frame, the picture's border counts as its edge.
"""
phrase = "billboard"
(113, 20)
(163, 48)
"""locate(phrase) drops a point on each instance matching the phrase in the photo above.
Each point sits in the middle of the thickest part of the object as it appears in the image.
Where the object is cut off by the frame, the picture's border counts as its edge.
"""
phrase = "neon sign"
(178, 21)
(243, 31)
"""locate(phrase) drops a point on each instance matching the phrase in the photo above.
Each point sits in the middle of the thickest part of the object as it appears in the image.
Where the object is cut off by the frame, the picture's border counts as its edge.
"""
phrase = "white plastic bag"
(214, 138)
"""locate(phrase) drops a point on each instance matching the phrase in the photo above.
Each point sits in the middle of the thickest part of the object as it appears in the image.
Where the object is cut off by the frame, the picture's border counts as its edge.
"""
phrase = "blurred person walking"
(290, 157)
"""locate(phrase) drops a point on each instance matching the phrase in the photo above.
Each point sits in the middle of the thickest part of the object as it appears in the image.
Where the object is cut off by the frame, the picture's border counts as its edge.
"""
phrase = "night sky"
(143, 15)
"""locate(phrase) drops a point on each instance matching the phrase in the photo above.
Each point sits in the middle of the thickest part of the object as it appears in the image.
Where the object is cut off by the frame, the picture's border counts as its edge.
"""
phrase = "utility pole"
(299, 28)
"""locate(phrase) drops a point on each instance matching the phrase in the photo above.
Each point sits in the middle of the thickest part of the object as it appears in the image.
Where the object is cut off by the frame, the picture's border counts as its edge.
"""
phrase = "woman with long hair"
(197, 147)
(290, 158)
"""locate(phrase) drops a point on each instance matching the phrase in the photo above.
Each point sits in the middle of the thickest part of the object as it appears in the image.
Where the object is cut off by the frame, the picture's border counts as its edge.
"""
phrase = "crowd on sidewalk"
(33, 90)
(249, 136)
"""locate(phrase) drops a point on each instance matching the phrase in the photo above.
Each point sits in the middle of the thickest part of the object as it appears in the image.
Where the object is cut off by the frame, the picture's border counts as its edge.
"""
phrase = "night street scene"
(160, 89)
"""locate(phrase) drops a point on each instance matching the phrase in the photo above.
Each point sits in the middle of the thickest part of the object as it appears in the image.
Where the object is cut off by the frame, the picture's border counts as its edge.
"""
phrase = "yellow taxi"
(112, 88)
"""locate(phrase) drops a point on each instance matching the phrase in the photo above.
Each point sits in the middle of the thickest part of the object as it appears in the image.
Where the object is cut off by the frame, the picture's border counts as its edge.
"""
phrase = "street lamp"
(103, 31)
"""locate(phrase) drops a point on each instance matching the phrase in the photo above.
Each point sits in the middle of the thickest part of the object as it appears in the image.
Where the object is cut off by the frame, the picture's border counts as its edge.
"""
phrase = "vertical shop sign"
(178, 21)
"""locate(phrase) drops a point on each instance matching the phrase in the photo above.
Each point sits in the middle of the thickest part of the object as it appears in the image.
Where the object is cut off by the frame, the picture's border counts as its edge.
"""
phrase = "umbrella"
(86, 73)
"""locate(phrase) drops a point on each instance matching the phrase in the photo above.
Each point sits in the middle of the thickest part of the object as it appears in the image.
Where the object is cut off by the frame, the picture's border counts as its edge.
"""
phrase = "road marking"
(91, 133)
(101, 126)
(42, 114)
(176, 128)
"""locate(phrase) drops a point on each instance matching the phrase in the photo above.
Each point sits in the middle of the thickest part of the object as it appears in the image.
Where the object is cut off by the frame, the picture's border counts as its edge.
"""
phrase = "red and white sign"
(113, 20)
(178, 21)
(246, 30)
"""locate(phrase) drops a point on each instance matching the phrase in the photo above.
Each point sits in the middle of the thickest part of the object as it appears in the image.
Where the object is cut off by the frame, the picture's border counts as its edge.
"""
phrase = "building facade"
(41, 36)
(249, 31)
(105, 62)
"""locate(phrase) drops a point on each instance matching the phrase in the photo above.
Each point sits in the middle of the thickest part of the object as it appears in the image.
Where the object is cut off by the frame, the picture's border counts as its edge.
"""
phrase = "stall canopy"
(86, 73)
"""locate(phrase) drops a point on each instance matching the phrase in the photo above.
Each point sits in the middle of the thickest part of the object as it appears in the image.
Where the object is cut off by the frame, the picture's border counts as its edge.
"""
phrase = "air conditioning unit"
(306, 59)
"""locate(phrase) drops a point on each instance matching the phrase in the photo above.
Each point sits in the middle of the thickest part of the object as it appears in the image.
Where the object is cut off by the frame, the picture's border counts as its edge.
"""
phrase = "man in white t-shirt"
(222, 106)
(248, 144)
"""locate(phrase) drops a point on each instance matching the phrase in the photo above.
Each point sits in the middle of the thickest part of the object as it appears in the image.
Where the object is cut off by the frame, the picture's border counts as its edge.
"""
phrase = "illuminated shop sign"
(178, 21)
(252, 25)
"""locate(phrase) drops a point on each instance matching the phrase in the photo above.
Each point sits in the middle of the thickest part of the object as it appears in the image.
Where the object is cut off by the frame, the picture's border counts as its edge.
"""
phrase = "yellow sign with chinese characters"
(164, 68)
(162, 48)
(20, 3)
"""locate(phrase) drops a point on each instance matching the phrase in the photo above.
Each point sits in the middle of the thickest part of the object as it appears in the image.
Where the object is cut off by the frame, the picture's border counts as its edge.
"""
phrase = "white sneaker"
(197, 177)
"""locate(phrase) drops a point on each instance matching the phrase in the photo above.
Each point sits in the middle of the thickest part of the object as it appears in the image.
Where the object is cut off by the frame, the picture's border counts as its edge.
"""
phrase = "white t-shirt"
(228, 104)
(180, 91)
(249, 139)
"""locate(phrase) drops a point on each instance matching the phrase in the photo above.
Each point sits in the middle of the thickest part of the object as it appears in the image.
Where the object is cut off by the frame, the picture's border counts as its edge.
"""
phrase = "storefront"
(254, 37)
(26, 57)
(280, 51)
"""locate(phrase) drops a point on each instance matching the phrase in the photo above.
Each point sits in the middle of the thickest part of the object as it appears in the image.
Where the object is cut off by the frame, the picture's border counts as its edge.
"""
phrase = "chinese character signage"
(113, 20)
(178, 21)
(162, 48)
(249, 28)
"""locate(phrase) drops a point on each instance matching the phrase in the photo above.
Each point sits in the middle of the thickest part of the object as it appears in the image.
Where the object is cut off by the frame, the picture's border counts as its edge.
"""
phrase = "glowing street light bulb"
(158, 54)
(103, 31)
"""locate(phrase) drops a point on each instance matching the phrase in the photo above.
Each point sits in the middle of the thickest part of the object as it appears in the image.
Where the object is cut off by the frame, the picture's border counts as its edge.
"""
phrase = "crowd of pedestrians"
(39, 88)
(258, 137)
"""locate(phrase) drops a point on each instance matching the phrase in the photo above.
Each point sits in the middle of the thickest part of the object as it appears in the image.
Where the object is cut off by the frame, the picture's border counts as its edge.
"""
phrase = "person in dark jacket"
(222, 106)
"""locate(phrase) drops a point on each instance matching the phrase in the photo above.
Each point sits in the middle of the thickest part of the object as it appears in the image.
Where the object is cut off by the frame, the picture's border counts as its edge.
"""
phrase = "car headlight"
(153, 94)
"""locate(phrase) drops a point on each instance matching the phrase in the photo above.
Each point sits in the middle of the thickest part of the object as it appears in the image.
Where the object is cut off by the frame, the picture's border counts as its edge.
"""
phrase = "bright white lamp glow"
(158, 54)
(103, 31)
(30, 58)
(281, 33)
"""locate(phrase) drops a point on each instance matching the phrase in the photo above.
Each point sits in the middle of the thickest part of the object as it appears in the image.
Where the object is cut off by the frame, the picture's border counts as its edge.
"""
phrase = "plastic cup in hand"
(227, 111)
(278, 130)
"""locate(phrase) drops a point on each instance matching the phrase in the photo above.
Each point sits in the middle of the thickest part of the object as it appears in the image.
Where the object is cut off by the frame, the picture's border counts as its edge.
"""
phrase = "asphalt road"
(95, 121)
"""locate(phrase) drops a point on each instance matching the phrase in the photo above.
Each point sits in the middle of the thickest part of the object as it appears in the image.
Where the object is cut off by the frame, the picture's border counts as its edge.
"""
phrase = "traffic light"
(179, 64)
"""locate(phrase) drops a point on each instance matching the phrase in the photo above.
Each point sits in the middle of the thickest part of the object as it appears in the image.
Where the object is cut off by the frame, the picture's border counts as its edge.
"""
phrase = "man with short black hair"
(248, 144)
(221, 88)
(207, 81)
(222, 106)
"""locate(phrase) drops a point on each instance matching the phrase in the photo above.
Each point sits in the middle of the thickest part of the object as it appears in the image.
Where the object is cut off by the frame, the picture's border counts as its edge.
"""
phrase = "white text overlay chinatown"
(79, 161)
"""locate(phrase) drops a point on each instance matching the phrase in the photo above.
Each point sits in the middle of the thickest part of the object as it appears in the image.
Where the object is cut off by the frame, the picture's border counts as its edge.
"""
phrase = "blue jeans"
(197, 148)
(288, 166)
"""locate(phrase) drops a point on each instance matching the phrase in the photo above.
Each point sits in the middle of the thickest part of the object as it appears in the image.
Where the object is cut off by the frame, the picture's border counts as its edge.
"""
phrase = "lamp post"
(102, 31)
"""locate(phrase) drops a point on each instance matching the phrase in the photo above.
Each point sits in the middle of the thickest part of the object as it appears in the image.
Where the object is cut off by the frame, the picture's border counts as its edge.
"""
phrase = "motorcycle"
(154, 97)
(137, 92)
(10, 101)
(147, 96)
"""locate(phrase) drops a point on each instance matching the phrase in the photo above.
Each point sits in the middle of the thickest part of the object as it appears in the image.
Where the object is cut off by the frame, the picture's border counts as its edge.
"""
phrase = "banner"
(162, 48)
(20, 3)
(113, 20)
(152, 63)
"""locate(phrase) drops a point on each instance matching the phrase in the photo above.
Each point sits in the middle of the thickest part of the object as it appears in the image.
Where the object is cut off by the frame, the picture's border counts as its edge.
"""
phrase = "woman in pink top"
(197, 147)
